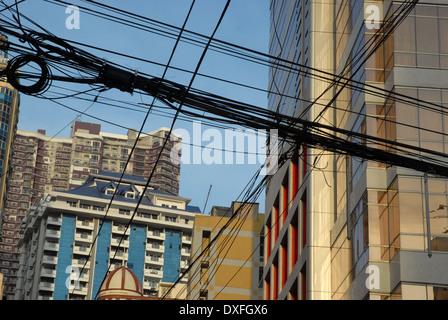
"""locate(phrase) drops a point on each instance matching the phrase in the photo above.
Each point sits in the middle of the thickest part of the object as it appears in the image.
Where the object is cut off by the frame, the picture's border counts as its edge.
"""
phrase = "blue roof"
(94, 187)
(193, 209)
(89, 189)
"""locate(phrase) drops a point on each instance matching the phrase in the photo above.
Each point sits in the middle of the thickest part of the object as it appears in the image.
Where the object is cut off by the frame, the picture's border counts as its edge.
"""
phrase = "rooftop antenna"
(206, 200)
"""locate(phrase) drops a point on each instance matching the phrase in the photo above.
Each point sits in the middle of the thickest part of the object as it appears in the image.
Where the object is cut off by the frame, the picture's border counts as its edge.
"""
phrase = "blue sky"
(246, 23)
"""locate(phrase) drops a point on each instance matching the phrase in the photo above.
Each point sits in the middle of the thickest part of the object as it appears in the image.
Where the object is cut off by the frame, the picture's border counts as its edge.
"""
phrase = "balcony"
(51, 246)
(85, 206)
(185, 252)
(94, 163)
(83, 237)
(53, 234)
(184, 264)
(49, 273)
(116, 242)
(186, 239)
(154, 260)
(84, 224)
(148, 285)
(120, 230)
(54, 220)
(46, 286)
(120, 255)
(83, 250)
(153, 273)
(155, 234)
(79, 289)
(84, 277)
(80, 264)
(153, 247)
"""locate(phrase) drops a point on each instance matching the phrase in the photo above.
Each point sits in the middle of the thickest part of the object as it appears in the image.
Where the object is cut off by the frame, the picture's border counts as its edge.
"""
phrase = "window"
(440, 293)
(205, 242)
(204, 272)
(359, 228)
(154, 258)
(124, 211)
(389, 222)
(130, 195)
(170, 219)
(155, 245)
(203, 294)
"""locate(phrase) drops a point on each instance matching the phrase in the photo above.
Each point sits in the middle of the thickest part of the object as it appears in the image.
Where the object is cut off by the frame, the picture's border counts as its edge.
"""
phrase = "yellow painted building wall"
(234, 259)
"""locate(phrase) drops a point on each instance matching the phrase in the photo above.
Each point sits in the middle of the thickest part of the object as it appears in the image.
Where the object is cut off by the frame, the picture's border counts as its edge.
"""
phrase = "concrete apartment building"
(41, 164)
(232, 267)
(384, 251)
(94, 150)
(67, 233)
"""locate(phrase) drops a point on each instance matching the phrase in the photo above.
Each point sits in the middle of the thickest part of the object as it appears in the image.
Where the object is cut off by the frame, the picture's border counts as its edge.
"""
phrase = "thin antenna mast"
(206, 200)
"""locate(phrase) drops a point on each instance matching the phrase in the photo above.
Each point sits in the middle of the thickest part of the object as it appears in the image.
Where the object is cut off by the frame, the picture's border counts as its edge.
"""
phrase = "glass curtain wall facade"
(386, 250)
(296, 228)
(9, 115)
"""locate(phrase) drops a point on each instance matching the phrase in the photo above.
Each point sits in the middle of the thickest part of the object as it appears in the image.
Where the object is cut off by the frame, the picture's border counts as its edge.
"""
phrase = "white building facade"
(71, 239)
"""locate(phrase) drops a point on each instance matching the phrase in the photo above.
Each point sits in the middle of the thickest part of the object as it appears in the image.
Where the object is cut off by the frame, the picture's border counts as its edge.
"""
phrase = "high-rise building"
(9, 114)
(231, 267)
(340, 227)
(41, 164)
(68, 243)
(94, 150)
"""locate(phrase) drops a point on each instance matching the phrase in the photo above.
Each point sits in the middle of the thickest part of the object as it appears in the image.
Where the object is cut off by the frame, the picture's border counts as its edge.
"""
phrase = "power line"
(406, 102)
(276, 65)
(252, 122)
(194, 76)
(168, 91)
(162, 149)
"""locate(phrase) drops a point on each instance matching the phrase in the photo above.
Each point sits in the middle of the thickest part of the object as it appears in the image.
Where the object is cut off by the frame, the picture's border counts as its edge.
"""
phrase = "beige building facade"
(229, 268)
(339, 227)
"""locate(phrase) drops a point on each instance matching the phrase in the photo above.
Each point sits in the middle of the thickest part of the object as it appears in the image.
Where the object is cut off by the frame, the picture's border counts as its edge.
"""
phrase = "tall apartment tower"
(81, 234)
(339, 227)
(41, 164)
(94, 150)
(9, 113)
